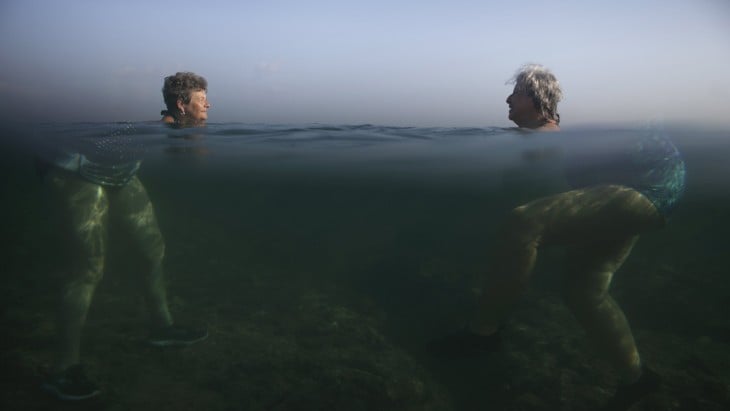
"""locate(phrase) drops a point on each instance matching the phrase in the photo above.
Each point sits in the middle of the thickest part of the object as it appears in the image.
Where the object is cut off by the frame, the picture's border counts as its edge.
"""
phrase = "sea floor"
(278, 344)
(346, 329)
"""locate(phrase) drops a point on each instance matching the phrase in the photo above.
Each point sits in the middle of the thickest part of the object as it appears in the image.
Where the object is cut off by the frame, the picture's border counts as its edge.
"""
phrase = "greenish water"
(323, 258)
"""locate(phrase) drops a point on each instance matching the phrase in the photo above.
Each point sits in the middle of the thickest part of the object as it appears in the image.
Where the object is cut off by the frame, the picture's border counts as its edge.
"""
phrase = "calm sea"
(324, 257)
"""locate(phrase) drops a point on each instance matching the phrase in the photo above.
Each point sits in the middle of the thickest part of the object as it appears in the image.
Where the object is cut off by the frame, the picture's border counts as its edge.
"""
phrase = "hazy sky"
(395, 62)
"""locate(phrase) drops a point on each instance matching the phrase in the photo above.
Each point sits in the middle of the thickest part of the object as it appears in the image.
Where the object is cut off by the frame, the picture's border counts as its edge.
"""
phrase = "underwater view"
(323, 260)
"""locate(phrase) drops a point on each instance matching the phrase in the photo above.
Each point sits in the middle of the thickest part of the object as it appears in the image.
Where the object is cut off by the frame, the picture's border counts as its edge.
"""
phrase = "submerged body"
(94, 180)
(621, 190)
(626, 193)
(383, 207)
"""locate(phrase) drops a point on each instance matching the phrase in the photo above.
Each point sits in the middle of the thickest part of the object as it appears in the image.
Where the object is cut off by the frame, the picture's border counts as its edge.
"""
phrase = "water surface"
(323, 257)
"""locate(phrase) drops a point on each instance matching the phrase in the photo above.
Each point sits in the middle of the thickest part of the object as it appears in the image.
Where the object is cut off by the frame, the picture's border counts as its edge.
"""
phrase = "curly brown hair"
(180, 86)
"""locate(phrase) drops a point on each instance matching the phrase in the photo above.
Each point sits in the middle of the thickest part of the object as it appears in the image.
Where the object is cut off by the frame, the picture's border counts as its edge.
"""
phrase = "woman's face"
(521, 108)
(196, 111)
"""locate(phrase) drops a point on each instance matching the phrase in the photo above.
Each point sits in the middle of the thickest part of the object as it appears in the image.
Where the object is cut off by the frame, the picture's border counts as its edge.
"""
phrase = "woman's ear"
(181, 107)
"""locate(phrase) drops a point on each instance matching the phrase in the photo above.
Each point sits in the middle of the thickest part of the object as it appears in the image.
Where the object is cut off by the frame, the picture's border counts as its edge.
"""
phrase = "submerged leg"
(574, 217)
(85, 207)
(133, 208)
(514, 261)
(585, 287)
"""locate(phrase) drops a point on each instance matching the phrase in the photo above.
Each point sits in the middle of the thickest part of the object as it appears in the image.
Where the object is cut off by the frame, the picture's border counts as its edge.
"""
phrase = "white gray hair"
(542, 86)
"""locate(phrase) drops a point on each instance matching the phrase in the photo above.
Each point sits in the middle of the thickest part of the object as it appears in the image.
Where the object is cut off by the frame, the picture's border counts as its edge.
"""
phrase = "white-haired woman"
(619, 193)
(533, 103)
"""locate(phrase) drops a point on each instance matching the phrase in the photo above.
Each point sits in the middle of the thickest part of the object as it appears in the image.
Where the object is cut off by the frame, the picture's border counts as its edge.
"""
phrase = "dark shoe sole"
(56, 392)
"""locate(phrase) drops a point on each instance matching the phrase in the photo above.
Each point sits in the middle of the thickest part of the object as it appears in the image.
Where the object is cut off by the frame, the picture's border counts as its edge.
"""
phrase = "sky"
(396, 62)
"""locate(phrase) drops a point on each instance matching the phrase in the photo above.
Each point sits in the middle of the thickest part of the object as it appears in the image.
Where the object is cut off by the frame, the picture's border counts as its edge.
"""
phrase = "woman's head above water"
(534, 100)
(186, 99)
